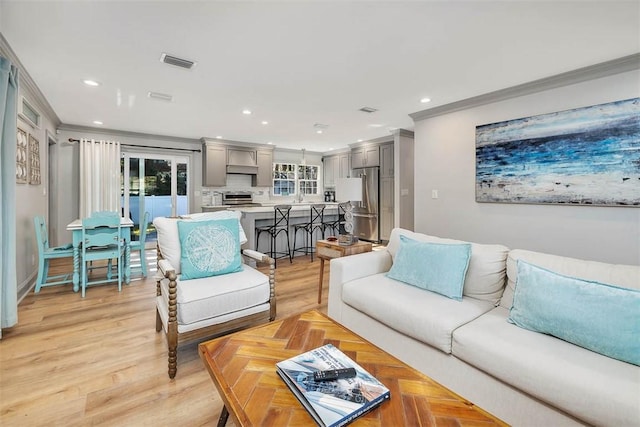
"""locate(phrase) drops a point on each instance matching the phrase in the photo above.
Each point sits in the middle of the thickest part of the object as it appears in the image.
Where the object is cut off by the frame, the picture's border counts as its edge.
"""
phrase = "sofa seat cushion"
(205, 298)
(418, 313)
(580, 382)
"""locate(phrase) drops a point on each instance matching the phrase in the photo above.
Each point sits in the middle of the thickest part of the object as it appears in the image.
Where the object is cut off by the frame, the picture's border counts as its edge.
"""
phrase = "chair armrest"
(350, 268)
(258, 256)
(165, 267)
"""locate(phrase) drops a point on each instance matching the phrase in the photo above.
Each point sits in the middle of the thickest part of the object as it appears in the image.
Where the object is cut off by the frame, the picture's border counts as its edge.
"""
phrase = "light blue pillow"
(209, 248)
(600, 317)
(436, 267)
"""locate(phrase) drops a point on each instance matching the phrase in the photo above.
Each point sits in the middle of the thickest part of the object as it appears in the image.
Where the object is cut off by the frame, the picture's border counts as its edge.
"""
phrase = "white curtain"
(8, 127)
(99, 176)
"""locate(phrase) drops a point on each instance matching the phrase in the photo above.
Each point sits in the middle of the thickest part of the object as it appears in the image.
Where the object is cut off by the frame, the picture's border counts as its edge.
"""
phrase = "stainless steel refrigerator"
(366, 224)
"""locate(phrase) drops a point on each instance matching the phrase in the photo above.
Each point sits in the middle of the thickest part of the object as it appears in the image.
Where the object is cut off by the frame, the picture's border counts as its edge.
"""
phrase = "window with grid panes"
(284, 179)
(308, 179)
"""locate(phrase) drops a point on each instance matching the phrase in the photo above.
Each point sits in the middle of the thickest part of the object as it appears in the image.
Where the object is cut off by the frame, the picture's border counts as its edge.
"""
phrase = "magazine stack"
(336, 402)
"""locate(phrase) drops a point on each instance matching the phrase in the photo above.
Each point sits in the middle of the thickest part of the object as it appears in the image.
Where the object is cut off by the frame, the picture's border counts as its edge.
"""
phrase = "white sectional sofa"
(526, 378)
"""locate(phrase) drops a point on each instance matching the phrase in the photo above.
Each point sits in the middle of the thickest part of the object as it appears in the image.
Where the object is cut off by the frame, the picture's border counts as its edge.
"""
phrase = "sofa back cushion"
(169, 239)
(593, 315)
(485, 278)
(625, 276)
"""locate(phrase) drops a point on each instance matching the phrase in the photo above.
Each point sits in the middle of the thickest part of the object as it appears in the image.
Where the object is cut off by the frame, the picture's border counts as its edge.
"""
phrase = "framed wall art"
(34, 160)
(585, 156)
(21, 157)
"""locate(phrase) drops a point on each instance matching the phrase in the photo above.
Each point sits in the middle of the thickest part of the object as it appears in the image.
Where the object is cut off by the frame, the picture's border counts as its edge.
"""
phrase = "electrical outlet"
(434, 194)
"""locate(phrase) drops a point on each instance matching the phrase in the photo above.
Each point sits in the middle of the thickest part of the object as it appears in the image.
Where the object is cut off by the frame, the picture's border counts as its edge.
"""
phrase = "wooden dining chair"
(138, 245)
(101, 240)
(46, 253)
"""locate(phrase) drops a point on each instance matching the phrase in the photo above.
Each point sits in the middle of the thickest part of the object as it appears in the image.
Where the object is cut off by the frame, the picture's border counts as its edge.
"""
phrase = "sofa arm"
(350, 268)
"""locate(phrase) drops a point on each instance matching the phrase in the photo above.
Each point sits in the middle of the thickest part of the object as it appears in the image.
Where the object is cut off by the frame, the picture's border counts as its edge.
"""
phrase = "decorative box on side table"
(329, 250)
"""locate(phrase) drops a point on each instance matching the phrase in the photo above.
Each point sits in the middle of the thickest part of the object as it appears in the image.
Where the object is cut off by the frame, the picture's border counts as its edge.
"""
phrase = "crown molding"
(603, 69)
(403, 132)
(125, 133)
(28, 83)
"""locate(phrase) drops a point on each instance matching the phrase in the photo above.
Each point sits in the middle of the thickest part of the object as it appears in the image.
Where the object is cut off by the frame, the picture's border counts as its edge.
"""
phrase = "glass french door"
(155, 184)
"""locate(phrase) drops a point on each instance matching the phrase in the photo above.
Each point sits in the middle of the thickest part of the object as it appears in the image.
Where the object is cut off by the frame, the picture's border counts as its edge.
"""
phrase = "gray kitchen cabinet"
(329, 171)
(386, 160)
(344, 165)
(264, 176)
(386, 208)
(214, 166)
(365, 156)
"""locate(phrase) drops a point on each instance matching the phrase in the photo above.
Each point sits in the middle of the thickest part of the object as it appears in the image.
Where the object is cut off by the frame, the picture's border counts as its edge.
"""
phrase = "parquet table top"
(242, 366)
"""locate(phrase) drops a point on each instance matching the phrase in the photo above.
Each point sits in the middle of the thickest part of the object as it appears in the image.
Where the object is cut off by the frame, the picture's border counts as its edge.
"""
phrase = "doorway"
(156, 184)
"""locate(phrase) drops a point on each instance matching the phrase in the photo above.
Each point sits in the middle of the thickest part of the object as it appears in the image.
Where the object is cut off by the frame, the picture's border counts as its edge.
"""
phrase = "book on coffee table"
(331, 403)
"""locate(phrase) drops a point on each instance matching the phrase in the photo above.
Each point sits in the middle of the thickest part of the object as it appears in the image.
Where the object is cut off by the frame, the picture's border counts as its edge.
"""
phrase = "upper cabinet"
(386, 160)
(365, 156)
(265, 167)
(330, 170)
(336, 166)
(220, 159)
(214, 165)
(344, 165)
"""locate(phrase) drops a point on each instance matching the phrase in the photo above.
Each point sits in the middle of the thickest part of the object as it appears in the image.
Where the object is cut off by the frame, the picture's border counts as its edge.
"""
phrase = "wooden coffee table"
(242, 366)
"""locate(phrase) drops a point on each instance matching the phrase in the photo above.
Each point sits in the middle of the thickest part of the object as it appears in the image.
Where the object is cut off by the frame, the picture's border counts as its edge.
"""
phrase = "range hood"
(242, 169)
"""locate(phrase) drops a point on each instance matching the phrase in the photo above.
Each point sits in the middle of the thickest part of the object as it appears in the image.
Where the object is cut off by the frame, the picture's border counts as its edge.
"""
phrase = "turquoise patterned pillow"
(209, 248)
(436, 267)
(600, 317)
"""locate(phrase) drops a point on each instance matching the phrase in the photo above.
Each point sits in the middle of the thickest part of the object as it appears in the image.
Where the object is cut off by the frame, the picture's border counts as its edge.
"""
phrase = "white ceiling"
(298, 63)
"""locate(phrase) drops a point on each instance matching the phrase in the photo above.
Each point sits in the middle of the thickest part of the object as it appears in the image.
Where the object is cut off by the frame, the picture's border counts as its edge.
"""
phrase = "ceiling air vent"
(160, 96)
(178, 62)
(368, 110)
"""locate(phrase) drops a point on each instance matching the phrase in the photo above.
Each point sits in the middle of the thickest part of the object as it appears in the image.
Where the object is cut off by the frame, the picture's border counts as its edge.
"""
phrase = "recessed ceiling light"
(264, 122)
(219, 137)
(360, 140)
(97, 122)
(425, 100)
(270, 143)
(319, 131)
(375, 125)
(247, 112)
(89, 82)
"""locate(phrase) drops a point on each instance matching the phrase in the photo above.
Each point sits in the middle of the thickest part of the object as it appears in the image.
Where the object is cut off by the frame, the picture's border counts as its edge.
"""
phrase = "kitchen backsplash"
(237, 182)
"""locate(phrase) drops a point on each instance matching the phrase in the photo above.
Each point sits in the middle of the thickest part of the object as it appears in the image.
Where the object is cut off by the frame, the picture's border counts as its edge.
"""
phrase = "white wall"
(445, 160)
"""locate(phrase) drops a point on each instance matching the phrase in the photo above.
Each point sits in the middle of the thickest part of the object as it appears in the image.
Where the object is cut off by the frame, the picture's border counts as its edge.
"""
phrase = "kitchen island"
(263, 215)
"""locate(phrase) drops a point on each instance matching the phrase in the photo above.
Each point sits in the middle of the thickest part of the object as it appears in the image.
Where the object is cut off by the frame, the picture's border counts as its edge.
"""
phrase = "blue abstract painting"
(585, 156)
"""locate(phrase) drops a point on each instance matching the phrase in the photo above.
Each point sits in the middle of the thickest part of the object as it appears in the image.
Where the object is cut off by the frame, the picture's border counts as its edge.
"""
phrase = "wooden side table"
(329, 250)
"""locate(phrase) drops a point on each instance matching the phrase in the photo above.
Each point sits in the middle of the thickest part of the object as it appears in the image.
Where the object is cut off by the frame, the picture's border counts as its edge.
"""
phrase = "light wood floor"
(99, 361)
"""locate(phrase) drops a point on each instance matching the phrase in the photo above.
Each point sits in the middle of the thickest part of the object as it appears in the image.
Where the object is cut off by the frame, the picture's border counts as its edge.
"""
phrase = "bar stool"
(316, 222)
(337, 225)
(280, 225)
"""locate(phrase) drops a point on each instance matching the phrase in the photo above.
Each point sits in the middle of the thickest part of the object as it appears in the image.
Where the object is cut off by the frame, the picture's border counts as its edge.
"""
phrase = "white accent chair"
(206, 307)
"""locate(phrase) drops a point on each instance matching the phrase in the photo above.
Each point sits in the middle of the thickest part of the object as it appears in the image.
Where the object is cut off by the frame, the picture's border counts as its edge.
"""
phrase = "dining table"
(75, 226)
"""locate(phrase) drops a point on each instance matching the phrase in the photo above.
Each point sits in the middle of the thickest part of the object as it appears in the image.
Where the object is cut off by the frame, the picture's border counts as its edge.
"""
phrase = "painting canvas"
(585, 156)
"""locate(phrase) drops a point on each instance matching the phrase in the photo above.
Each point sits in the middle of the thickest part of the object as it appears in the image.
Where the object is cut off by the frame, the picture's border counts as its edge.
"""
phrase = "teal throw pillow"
(436, 267)
(209, 248)
(600, 317)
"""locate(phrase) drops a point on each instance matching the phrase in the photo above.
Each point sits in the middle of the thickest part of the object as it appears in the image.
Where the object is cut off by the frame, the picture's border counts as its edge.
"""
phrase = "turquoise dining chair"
(138, 245)
(101, 241)
(46, 253)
